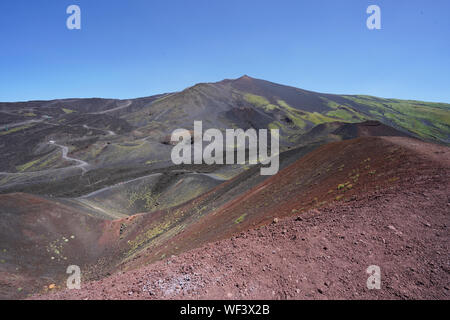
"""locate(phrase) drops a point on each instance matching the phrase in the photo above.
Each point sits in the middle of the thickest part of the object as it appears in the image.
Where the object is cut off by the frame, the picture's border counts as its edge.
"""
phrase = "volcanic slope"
(341, 208)
(125, 139)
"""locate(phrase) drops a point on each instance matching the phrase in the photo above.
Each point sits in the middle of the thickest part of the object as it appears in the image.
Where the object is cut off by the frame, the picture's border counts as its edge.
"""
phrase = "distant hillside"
(248, 102)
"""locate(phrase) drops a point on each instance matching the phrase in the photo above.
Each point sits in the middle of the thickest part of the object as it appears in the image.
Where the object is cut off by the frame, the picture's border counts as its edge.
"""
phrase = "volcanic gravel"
(320, 254)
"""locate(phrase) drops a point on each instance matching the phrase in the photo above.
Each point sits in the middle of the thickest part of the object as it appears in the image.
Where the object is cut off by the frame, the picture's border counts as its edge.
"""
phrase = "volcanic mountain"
(90, 181)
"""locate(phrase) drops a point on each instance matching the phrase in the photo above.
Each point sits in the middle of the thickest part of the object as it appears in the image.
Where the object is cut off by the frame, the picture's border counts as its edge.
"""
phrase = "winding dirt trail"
(210, 175)
(110, 132)
(116, 185)
(22, 123)
(65, 150)
(126, 104)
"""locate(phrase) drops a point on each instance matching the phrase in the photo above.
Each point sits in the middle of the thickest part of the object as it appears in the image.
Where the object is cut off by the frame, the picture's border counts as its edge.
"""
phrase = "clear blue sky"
(135, 48)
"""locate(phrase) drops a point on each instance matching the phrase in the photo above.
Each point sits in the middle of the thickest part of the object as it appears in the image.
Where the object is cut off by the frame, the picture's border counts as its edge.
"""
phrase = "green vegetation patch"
(293, 114)
(41, 163)
(317, 118)
(257, 101)
(68, 111)
(347, 115)
(240, 219)
(427, 120)
(16, 129)
(146, 195)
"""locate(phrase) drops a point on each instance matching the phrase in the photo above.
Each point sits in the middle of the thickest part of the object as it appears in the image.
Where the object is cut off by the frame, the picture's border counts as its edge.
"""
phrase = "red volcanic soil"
(334, 173)
(39, 238)
(367, 129)
(395, 216)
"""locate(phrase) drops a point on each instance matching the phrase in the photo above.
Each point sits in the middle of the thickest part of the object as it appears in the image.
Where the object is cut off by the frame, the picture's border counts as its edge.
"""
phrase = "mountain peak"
(245, 77)
(242, 79)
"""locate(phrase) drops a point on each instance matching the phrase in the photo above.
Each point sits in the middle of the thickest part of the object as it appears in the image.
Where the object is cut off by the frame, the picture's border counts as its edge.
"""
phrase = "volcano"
(90, 182)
